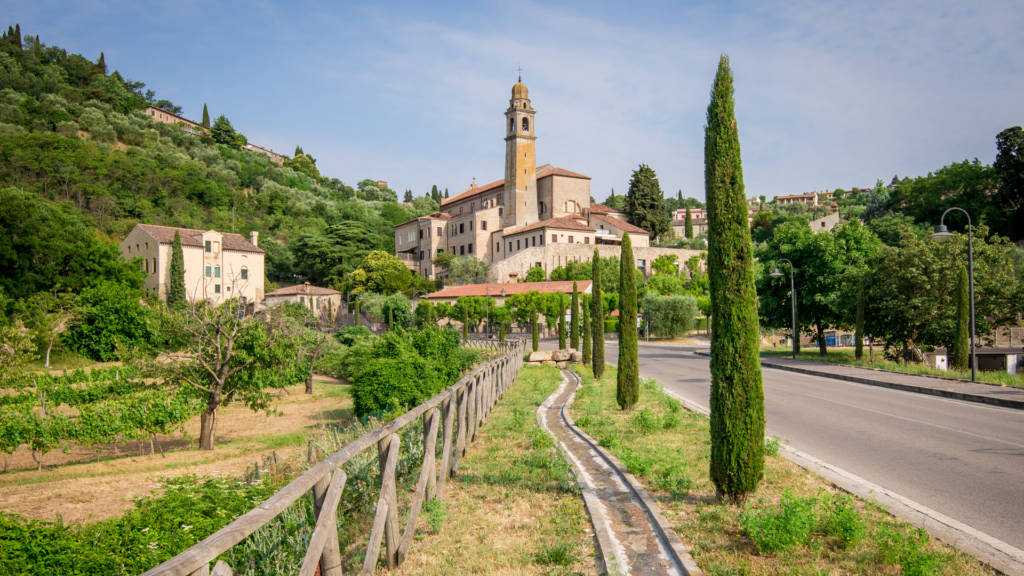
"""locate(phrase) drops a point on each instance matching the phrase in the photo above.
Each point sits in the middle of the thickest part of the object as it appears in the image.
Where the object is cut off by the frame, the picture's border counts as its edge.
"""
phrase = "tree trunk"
(822, 348)
(206, 424)
(309, 382)
(49, 346)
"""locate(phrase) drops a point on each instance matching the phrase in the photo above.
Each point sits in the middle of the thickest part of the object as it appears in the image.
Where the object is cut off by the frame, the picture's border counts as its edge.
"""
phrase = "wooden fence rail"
(455, 414)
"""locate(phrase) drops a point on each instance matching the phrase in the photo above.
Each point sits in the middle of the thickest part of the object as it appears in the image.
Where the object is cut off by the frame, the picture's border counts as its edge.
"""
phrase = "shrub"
(771, 446)
(671, 478)
(110, 319)
(435, 512)
(645, 422)
(669, 316)
(350, 334)
(841, 520)
(387, 386)
(909, 551)
(780, 527)
(559, 554)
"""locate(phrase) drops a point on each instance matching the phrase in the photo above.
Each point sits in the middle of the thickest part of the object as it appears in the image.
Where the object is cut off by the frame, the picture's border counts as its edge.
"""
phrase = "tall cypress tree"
(17, 36)
(176, 288)
(534, 330)
(206, 116)
(961, 352)
(561, 328)
(101, 64)
(737, 393)
(688, 224)
(586, 332)
(574, 322)
(596, 317)
(627, 377)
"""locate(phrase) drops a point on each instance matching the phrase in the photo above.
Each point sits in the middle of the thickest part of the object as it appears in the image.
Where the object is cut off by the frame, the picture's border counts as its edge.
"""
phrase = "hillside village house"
(164, 117)
(536, 215)
(218, 265)
(499, 292)
(322, 302)
(809, 199)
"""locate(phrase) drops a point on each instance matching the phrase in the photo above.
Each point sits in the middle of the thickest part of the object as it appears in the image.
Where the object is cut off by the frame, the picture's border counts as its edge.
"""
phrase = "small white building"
(218, 265)
(825, 223)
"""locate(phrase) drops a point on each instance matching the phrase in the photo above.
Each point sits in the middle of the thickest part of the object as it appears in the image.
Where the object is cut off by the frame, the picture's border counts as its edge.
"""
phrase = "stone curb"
(606, 543)
(672, 543)
(965, 396)
(992, 551)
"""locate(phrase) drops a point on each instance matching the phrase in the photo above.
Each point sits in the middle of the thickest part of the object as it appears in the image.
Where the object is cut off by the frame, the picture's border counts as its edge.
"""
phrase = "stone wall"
(551, 256)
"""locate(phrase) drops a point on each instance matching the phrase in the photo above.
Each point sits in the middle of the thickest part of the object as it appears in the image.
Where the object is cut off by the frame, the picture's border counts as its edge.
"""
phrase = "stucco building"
(322, 302)
(218, 265)
(535, 215)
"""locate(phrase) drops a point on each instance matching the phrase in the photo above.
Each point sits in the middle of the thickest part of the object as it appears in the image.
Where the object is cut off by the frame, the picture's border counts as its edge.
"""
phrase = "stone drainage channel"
(632, 535)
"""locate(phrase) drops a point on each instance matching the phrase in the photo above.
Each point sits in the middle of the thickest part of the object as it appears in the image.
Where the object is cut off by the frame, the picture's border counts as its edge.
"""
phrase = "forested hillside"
(74, 133)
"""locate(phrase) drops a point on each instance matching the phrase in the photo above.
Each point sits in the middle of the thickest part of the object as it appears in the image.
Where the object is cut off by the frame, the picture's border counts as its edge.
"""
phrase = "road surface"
(962, 459)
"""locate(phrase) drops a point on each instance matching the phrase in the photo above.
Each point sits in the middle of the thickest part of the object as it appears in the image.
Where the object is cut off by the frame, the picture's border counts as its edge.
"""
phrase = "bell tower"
(520, 159)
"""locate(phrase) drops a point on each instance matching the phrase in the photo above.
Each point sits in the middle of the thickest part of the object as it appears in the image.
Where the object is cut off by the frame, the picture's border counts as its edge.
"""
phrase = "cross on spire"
(520, 71)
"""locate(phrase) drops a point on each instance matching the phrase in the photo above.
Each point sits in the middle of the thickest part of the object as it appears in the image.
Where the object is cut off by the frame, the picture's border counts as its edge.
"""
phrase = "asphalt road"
(962, 459)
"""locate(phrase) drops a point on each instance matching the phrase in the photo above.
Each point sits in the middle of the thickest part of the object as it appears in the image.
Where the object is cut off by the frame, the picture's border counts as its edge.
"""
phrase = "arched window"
(245, 273)
(526, 124)
(511, 124)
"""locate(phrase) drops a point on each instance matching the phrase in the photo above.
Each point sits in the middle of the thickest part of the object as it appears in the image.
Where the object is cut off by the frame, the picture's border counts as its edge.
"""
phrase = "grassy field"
(796, 523)
(514, 507)
(91, 484)
(845, 356)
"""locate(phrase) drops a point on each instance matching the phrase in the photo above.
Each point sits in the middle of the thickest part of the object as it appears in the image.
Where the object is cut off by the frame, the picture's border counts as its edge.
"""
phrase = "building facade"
(322, 302)
(534, 215)
(218, 265)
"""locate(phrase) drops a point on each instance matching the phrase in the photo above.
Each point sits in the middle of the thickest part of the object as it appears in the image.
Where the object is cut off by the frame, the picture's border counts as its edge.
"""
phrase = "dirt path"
(630, 532)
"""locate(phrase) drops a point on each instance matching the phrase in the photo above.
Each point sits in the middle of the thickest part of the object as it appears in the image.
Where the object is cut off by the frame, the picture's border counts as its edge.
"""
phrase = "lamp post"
(942, 233)
(792, 298)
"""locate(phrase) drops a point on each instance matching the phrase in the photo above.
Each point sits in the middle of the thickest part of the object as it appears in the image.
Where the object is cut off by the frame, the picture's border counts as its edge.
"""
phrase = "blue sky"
(829, 94)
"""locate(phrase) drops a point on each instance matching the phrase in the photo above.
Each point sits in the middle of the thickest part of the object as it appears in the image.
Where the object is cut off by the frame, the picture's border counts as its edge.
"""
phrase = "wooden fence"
(456, 413)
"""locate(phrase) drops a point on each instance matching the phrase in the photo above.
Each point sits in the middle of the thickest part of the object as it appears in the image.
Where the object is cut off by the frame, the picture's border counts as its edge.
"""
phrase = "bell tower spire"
(520, 159)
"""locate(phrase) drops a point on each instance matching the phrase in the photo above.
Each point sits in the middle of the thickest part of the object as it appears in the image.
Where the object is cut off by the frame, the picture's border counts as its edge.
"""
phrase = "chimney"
(254, 238)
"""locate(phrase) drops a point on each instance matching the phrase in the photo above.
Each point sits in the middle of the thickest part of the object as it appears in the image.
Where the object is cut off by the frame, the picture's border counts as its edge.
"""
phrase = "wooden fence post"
(449, 409)
(330, 560)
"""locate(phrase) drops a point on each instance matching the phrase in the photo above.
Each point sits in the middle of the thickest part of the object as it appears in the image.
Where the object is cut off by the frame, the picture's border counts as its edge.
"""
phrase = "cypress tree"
(961, 352)
(101, 64)
(534, 331)
(596, 317)
(737, 393)
(17, 36)
(688, 224)
(586, 333)
(465, 322)
(858, 325)
(645, 202)
(627, 377)
(176, 288)
(574, 325)
(561, 329)
(206, 116)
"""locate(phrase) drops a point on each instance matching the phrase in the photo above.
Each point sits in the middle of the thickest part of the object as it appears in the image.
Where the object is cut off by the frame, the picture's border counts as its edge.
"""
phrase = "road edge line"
(987, 549)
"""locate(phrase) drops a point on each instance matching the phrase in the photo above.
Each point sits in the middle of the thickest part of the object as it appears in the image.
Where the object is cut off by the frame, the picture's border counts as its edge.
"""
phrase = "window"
(554, 238)
(533, 241)
(570, 239)
(470, 225)
(229, 288)
(440, 232)
(541, 239)
(542, 208)
(462, 227)
(586, 239)
(510, 246)
(245, 273)
(483, 224)
(517, 243)
(421, 255)
(462, 250)
(500, 210)
(208, 246)
(497, 246)
(470, 247)
(216, 288)
(209, 271)
(526, 124)
(216, 271)
(421, 234)
(511, 124)
(146, 264)
(154, 265)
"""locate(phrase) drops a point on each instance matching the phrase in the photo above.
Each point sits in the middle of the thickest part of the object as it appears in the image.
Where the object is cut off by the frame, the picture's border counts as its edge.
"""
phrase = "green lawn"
(796, 523)
(845, 356)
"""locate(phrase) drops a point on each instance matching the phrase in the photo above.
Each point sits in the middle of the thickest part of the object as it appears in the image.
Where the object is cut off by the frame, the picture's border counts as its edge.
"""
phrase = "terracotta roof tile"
(543, 171)
(306, 289)
(498, 289)
(602, 209)
(617, 223)
(560, 223)
(192, 237)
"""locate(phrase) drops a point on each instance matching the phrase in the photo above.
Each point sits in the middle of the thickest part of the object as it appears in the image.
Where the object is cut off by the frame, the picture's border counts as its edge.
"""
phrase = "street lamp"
(942, 234)
(792, 297)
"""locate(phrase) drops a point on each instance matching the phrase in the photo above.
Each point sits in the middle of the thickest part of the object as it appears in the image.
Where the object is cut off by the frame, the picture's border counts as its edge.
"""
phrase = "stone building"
(825, 223)
(164, 117)
(322, 302)
(534, 215)
(218, 265)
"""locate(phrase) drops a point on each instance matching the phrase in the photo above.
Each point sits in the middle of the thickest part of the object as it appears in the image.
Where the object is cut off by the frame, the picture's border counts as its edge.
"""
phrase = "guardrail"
(459, 410)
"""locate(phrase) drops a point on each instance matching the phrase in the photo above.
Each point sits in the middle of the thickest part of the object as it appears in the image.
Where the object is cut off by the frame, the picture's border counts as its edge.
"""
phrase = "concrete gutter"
(992, 551)
(953, 394)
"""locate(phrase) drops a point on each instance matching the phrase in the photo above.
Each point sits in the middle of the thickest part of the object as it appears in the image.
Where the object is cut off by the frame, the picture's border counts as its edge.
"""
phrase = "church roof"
(560, 223)
(519, 90)
(543, 171)
(618, 223)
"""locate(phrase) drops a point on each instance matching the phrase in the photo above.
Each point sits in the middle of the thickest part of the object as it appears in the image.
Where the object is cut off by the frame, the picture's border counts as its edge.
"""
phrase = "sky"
(828, 94)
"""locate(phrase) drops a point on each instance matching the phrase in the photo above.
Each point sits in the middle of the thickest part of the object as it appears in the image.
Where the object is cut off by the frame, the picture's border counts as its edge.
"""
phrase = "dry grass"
(514, 507)
(668, 449)
(88, 485)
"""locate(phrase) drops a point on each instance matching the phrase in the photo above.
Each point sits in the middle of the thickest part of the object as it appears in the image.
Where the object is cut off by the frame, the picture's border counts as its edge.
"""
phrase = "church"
(534, 216)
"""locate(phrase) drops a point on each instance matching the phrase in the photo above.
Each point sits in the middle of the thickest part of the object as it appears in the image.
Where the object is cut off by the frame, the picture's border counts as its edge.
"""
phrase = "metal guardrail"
(459, 410)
